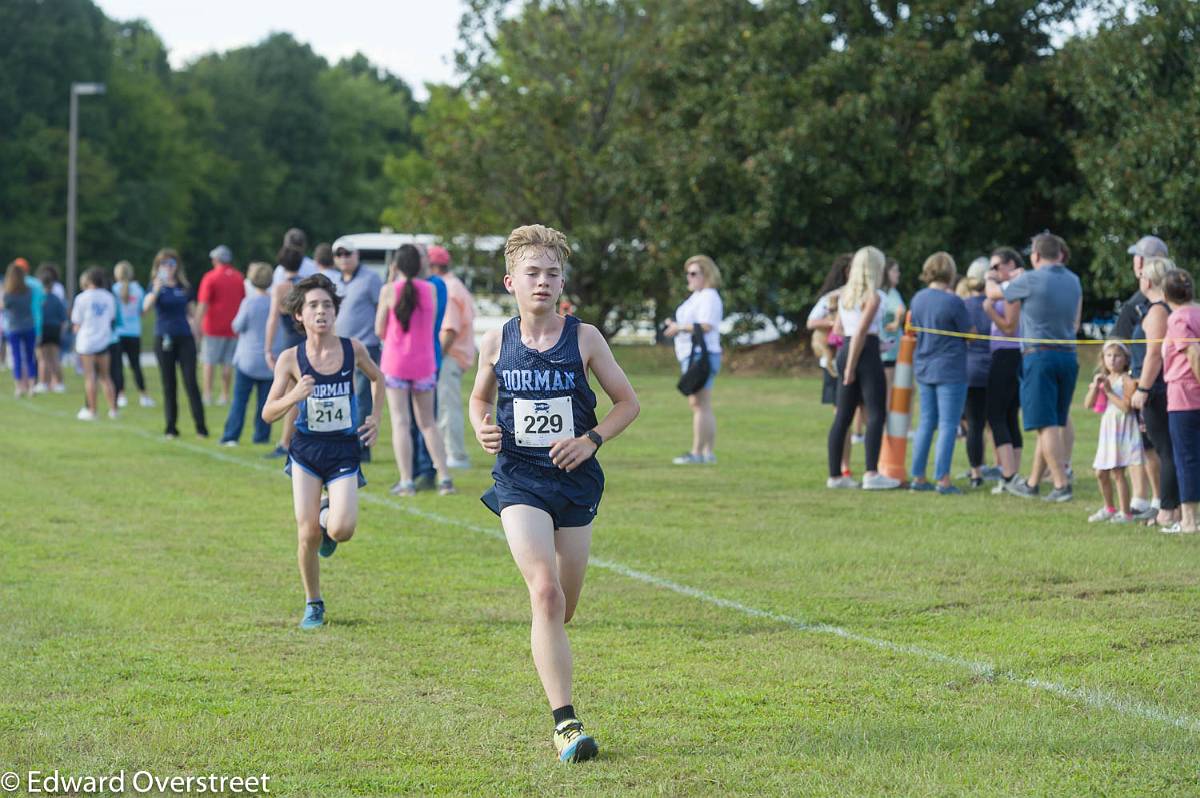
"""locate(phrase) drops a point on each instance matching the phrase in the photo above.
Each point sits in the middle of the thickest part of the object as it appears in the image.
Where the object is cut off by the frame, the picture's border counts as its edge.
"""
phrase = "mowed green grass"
(150, 597)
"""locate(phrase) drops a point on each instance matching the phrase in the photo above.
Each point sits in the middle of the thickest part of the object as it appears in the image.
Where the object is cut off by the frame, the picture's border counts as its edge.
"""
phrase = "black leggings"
(132, 348)
(183, 353)
(1155, 415)
(1004, 398)
(976, 409)
(869, 388)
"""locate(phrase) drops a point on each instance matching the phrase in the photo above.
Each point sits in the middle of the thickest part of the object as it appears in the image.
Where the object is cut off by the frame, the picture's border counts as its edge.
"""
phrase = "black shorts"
(52, 334)
(327, 459)
(572, 498)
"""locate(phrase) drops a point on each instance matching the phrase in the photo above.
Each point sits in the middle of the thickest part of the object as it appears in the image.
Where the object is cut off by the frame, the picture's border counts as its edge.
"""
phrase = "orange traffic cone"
(899, 417)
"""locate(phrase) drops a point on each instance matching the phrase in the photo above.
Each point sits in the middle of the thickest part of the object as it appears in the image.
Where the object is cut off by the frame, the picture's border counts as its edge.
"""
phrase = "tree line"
(771, 135)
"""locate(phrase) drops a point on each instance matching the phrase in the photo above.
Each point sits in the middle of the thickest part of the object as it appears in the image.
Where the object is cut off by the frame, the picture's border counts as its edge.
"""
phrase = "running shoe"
(328, 544)
(402, 488)
(230, 443)
(841, 483)
(60, 388)
(275, 453)
(688, 459)
(1000, 485)
(41, 387)
(976, 482)
(1121, 518)
(314, 615)
(423, 482)
(991, 473)
(856, 440)
(85, 415)
(879, 482)
(1147, 514)
(1019, 487)
(112, 413)
(122, 401)
(709, 459)
(1104, 514)
(1059, 495)
(948, 490)
(921, 487)
(146, 401)
(446, 487)
(573, 743)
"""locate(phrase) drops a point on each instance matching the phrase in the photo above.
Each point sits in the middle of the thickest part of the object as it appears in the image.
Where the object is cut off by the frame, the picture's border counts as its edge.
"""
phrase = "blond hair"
(939, 268)
(1154, 270)
(260, 274)
(532, 239)
(1124, 350)
(864, 278)
(708, 269)
(123, 271)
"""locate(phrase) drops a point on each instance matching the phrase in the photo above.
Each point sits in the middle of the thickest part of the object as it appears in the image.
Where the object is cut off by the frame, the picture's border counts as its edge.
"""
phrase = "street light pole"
(72, 177)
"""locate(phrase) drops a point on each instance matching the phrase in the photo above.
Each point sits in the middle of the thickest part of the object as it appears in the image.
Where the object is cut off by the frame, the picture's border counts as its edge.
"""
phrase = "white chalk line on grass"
(1096, 699)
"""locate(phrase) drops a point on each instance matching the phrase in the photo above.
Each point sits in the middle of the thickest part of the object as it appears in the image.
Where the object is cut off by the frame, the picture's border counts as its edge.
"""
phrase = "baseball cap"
(221, 254)
(1149, 247)
(438, 256)
(344, 243)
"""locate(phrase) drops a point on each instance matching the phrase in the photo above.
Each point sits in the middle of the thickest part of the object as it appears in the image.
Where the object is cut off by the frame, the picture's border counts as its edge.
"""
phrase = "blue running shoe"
(328, 544)
(573, 743)
(314, 615)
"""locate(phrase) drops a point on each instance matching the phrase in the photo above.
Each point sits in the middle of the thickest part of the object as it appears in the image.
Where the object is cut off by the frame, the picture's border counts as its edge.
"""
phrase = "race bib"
(541, 422)
(329, 415)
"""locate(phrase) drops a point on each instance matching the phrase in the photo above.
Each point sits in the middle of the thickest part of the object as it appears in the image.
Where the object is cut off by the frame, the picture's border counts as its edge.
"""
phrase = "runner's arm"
(598, 357)
(286, 390)
(369, 431)
(483, 394)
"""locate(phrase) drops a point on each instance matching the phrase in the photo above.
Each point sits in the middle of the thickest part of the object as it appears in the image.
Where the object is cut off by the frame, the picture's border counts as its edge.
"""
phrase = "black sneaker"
(1059, 495)
(1019, 487)
(976, 482)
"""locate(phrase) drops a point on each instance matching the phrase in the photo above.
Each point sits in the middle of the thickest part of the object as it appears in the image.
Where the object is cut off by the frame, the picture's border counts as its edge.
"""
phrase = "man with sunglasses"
(359, 289)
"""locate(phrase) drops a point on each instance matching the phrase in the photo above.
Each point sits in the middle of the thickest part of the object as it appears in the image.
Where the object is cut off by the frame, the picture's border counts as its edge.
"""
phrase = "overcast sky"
(414, 39)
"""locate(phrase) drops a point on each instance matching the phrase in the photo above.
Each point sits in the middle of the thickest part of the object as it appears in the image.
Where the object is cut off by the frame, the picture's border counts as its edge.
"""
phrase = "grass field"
(743, 630)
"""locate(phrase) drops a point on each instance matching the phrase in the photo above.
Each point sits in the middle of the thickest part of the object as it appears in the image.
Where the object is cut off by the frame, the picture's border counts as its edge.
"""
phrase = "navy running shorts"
(327, 459)
(572, 498)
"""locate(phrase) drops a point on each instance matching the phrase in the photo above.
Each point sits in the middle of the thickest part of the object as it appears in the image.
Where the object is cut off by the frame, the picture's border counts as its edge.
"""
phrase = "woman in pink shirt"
(404, 322)
(1181, 369)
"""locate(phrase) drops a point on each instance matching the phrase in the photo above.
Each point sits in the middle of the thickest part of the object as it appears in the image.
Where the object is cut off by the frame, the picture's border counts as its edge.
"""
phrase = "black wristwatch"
(595, 438)
(1140, 389)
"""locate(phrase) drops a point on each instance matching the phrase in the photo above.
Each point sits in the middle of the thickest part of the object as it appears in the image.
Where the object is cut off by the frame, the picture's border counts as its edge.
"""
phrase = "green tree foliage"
(1135, 87)
(235, 149)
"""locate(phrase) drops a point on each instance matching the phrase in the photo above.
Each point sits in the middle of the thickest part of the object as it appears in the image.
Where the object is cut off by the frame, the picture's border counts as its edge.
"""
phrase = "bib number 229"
(542, 422)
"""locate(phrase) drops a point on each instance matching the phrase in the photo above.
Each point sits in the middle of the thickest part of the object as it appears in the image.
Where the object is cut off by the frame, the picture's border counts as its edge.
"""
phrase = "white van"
(376, 249)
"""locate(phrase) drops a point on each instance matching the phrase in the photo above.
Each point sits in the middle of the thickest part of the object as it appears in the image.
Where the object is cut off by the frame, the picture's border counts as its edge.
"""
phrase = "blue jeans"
(243, 384)
(422, 460)
(941, 408)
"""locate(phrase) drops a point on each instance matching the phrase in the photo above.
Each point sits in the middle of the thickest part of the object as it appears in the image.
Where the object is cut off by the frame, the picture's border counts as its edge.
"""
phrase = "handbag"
(698, 366)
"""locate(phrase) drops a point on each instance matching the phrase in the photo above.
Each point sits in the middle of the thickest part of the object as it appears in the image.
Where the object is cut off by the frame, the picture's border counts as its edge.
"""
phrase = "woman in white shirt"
(93, 316)
(860, 368)
(701, 310)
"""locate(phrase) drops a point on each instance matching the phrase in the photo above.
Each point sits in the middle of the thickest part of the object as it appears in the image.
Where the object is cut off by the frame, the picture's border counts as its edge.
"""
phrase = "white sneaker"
(1122, 518)
(880, 482)
(841, 483)
(60, 388)
(221, 402)
(85, 415)
(112, 413)
(1103, 514)
(146, 401)
(122, 401)
(40, 388)
(229, 443)
(856, 439)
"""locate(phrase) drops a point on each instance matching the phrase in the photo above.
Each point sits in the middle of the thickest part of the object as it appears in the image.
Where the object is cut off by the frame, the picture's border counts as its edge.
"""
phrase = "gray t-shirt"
(1049, 299)
(360, 296)
(250, 324)
(940, 359)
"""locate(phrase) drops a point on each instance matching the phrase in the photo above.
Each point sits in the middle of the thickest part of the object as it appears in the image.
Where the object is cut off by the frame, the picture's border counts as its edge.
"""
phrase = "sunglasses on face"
(343, 253)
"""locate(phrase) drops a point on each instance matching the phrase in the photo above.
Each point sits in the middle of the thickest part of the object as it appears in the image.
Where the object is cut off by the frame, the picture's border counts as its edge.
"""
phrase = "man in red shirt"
(221, 293)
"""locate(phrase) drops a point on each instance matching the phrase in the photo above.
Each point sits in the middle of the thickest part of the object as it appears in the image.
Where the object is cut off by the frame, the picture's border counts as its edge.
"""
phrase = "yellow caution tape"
(1049, 341)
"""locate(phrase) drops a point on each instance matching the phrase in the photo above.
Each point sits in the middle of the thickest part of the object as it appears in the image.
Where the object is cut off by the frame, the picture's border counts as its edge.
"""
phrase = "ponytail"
(408, 262)
(407, 304)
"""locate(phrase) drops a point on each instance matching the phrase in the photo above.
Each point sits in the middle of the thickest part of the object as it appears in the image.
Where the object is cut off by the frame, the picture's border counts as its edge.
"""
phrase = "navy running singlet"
(331, 408)
(542, 397)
